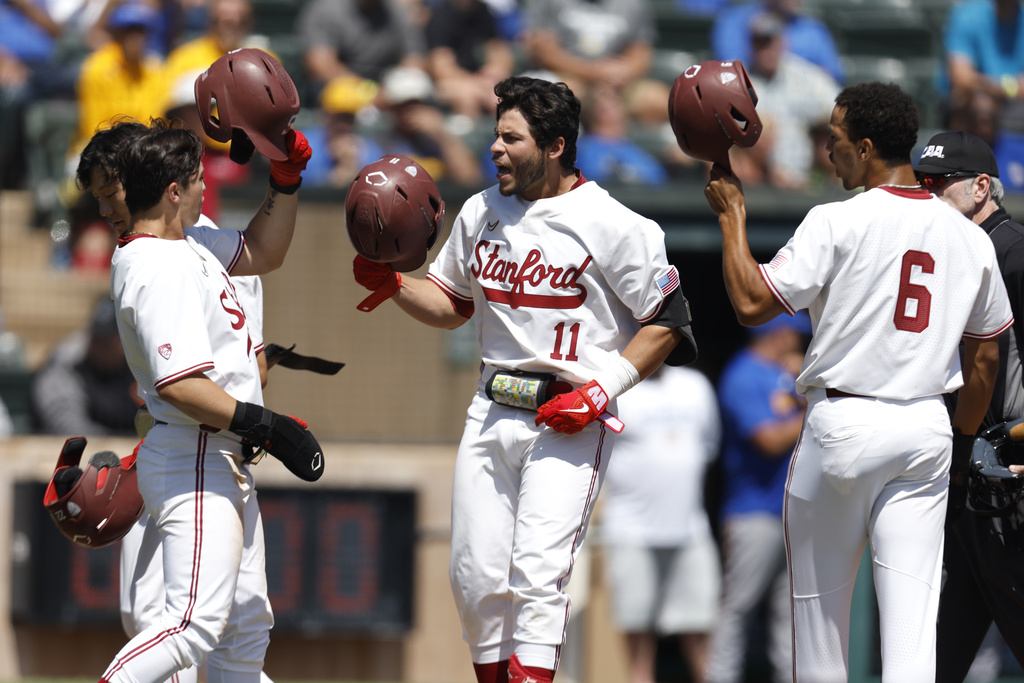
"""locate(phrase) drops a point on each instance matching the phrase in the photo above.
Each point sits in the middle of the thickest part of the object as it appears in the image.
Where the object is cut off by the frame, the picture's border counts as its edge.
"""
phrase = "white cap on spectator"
(407, 84)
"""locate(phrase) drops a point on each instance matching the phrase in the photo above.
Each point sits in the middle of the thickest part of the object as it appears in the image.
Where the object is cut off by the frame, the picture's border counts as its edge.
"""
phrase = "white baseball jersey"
(556, 285)
(905, 270)
(227, 245)
(171, 332)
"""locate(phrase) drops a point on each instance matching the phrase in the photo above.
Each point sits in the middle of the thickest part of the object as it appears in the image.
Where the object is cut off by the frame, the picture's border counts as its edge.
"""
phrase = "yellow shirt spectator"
(119, 79)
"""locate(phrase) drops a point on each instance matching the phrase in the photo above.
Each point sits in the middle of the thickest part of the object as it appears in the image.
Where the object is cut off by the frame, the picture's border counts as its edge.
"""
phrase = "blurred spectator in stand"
(361, 38)
(341, 150)
(804, 35)
(467, 57)
(700, 7)
(85, 387)
(978, 113)
(121, 78)
(662, 565)
(761, 419)
(418, 129)
(31, 68)
(795, 98)
(509, 15)
(589, 42)
(983, 44)
(604, 151)
(229, 23)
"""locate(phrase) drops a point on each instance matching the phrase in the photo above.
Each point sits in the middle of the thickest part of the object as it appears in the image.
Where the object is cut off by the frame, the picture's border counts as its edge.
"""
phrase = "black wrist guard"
(282, 436)
(285, 189)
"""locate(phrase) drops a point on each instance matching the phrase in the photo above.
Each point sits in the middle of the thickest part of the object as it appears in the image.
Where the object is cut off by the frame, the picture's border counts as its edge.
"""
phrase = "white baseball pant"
(216, 606)
(522, 498)
(867, 470)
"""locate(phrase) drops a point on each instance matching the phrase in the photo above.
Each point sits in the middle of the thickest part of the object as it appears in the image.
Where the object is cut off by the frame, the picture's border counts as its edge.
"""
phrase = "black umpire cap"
(957, 152)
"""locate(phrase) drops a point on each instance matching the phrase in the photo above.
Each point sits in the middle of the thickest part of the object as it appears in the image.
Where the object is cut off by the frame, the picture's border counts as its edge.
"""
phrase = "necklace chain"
(901, 187)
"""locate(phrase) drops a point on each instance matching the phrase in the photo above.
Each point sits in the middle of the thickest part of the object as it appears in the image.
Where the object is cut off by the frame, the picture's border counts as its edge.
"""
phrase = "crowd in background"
(416, 77)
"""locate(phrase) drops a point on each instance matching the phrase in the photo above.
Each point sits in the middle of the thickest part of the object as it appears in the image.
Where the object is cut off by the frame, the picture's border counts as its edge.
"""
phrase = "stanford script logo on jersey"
(532, 273)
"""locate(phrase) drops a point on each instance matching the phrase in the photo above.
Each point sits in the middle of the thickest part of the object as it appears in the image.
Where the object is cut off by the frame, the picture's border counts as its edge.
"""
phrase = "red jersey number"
(918, 293)
(574, 337)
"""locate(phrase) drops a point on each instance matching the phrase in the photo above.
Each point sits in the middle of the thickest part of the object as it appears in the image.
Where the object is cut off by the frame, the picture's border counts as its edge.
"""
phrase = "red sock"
(517, 673)
(496, 672)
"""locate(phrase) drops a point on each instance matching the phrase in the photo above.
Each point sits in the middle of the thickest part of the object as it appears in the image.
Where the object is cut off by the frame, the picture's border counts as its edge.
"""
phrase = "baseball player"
(984, 578)
(893, 280)
(189, 346)
(574, 302)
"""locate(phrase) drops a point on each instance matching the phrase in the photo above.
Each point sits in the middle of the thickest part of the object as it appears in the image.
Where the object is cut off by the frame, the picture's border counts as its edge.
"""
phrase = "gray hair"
(997, 191)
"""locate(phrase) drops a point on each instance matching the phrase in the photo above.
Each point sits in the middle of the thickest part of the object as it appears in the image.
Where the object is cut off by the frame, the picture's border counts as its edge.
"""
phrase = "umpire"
(984, 556)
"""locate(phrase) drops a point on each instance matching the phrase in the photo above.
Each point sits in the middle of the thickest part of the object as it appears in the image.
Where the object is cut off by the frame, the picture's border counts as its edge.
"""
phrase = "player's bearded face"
(520, 163)
(110, 195)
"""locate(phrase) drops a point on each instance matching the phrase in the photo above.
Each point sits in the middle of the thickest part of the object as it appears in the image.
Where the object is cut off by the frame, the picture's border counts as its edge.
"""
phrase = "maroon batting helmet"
(98, 505)
(253, 93)
(394, 212)
(711, 108)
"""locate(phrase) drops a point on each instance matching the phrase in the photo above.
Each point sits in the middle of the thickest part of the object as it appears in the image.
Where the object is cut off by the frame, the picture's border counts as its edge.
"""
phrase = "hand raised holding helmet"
(247, 97)
(393, 213)
(711, 108)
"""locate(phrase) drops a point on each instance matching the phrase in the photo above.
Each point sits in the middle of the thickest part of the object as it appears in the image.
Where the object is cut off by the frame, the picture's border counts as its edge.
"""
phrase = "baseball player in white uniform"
(197, 382)
(893, 279)
(143, 595)
(573, 296)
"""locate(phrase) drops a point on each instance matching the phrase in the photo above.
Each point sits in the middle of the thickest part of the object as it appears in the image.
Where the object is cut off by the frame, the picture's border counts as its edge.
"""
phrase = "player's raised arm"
(256, 102)
(750, 296)
(711, 108)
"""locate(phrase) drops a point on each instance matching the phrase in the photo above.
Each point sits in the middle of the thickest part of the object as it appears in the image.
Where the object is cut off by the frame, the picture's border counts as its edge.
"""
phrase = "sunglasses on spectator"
(937, 182)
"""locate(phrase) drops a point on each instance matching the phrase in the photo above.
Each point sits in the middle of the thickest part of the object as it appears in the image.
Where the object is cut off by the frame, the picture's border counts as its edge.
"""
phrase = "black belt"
(202, 427)
(839, 393)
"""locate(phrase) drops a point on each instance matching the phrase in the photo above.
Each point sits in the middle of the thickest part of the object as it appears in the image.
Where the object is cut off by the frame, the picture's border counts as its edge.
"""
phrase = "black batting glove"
(283, 436)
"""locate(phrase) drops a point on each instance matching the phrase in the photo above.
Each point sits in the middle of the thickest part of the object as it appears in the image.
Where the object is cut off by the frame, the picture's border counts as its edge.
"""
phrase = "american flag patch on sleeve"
(668, 281)
(777, 261)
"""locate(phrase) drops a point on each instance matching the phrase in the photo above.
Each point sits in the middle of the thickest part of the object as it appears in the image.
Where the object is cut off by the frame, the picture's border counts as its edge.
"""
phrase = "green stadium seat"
(681, 31)
(275, 17)
(882, 31)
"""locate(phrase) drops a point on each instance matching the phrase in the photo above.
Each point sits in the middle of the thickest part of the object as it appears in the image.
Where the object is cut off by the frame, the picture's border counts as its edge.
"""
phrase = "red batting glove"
(569, 413)
(378, 277)
(289, 172)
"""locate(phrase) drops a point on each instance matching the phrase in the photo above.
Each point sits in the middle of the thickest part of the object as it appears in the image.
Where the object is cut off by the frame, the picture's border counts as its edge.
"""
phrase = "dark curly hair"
(884, 114)
(551, 110)
(165, 153)
(101, 152)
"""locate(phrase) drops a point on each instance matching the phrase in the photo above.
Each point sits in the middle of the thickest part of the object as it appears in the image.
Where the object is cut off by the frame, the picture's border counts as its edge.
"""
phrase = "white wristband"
(618, 378)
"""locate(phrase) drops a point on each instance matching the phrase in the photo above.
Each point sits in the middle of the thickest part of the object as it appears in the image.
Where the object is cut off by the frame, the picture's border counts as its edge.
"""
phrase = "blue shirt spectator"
(604, 151)
(978, 42)
(805, 36)
(755, 390)
(617, 160)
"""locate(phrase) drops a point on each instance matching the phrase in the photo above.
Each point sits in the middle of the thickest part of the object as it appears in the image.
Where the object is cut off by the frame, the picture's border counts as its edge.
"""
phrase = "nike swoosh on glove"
(569, 413)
